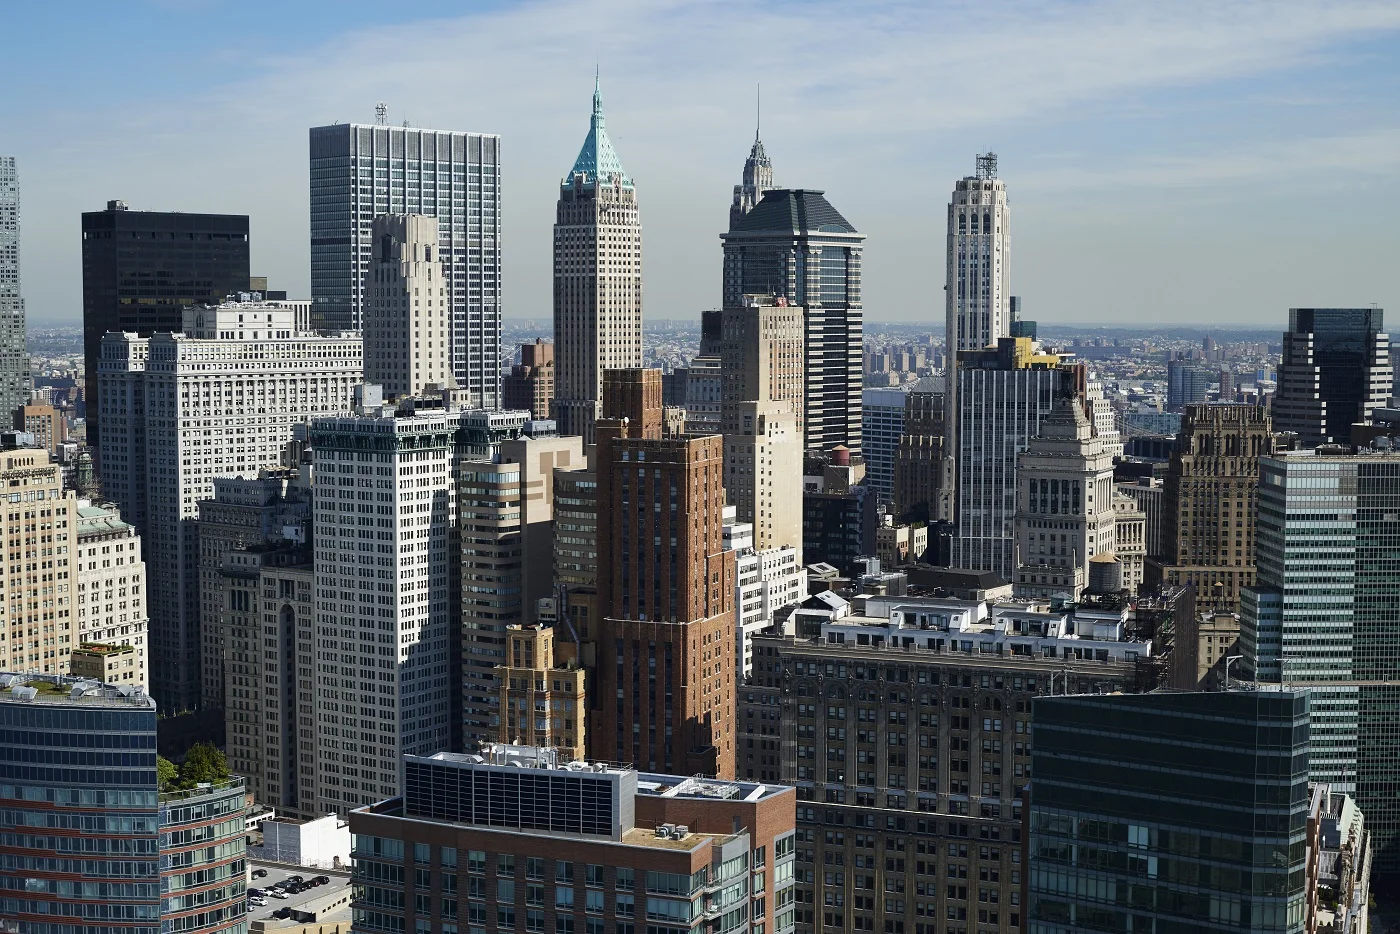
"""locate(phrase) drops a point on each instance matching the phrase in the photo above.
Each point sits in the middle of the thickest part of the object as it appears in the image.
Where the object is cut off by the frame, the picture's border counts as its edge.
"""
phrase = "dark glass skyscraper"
(795, 245)
(1169, 813)
(1335, 371)
(141, 269)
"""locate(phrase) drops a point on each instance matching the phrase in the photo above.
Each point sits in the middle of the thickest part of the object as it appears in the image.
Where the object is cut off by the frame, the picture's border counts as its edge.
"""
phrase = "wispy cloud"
(870, 101)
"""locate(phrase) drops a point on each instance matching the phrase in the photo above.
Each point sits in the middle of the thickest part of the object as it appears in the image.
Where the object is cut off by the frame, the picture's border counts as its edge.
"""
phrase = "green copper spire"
(597, 160)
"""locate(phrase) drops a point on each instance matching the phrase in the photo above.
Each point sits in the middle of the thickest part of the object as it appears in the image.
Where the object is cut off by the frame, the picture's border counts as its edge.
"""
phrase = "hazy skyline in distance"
(1191, 162)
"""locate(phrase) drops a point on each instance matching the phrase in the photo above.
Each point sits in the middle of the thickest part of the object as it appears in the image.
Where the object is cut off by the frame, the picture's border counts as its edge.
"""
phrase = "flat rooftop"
(27, 688)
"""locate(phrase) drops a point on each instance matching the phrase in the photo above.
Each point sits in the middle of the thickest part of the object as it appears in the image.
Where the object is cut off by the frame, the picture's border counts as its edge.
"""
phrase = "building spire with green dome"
(597, 160)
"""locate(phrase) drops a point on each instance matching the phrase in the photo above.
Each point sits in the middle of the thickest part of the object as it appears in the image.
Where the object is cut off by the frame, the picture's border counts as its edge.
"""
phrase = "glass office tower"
(794, 245)
(1323, 614)
(14, 361)
(359, 172)
(1169, 813)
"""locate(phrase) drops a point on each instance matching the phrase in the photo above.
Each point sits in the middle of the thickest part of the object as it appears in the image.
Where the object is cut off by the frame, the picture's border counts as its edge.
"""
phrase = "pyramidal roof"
(597, 159)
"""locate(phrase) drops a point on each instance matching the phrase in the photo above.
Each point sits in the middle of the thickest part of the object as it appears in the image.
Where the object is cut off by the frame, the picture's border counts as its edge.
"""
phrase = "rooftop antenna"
(986, 165)
(758, 114)
(381, 113)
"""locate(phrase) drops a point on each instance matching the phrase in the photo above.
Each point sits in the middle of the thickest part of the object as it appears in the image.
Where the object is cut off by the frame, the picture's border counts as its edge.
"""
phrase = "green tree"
(166, 773)
(203, 763)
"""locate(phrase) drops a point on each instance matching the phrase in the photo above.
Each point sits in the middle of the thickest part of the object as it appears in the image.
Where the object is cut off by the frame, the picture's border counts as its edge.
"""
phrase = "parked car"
(282, 913)
(297, 879)
(259, 873)
(322, 880)
(277, 893)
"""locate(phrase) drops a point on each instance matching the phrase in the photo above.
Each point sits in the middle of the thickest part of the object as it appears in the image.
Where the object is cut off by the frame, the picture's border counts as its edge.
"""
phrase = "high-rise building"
(1177, 796)
(218, 399)
(407, 311)
(14, 358)
(576, 543)
(1147, 494)
(795, 246)
(47, 424)
(506, 515)
(272, 507)
(838, 510)
(1335, 371)
(1003, 395)
(111, 595)
(1187, 384)
(142, 270)
(882, 425)
(573, 846)
(1209, 503)
(40, 522)
(1065, 514)
(597, 279)
(1129, 539)
(530, 383)
(1322, 616)
(387, 630)
(540, 697)
(922, 472)
(266, 616)
(979, 247)
(906, 732)
(761, 400)
(155, 861)
(359, 172)
(665, 596)
(758, 178)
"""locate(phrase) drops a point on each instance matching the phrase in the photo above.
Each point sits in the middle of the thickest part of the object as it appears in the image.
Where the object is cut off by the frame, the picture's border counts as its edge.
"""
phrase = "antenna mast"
(381, 114)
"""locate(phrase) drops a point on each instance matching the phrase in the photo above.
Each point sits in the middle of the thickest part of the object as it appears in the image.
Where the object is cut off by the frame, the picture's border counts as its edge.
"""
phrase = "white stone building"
(979, 245)
(764, 582)
(386, 565)
(1064, 504)
(218, 399)
(407, 313)
(111, 588)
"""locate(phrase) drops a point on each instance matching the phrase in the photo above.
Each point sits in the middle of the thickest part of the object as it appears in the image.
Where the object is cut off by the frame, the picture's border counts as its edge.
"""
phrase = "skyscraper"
(1003, 395)
(977, 291)
(761, 401)
(361, 171)
(217, 400)
(507, 520)
(142, 270)
(882, 424)
(1169, 812)
(38, 635)
(14, 360)
(407, 318)
(794, 245)
(1335, 371)
(1322, 614)
(1065, 513)
(758, 178)
(1209, 503)
(922, 472)
(597, 278)
(665, 641)
(385, 618)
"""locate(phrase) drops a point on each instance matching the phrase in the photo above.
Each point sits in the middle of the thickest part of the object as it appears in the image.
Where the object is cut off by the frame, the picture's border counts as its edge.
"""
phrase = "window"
(626, 878)
(563, 871)
(476, 860)
(564, 897)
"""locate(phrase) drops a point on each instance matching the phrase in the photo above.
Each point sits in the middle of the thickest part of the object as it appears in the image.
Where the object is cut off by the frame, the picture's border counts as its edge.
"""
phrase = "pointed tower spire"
(758, 171)
(597, 159)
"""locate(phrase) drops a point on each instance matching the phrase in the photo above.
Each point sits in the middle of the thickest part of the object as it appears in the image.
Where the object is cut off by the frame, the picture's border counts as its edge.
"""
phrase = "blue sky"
(1183, 162)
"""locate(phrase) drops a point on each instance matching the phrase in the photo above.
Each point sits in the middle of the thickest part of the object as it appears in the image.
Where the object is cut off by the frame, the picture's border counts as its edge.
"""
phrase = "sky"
(1198, 161)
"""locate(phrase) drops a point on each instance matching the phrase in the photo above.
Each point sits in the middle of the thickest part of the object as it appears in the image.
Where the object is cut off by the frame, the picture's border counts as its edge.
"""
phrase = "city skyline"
(1154, 116)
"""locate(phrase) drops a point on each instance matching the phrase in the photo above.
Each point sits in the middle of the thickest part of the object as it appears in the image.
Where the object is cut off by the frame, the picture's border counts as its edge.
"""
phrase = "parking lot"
(278, 875)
